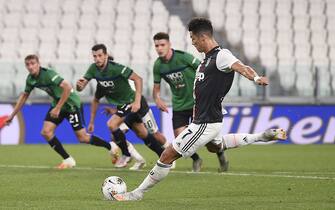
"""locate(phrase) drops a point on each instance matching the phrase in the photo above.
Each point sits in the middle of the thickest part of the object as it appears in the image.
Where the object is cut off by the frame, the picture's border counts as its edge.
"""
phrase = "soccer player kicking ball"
(65, 105)
(112, 83)
(178, 69)
(213, 80)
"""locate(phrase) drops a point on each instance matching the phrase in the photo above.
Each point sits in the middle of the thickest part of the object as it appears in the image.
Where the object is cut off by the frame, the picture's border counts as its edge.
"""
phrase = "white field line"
(254, 174)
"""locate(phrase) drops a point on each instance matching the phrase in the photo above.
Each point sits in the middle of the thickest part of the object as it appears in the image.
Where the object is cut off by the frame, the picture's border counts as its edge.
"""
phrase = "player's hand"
(54, 113)
(161, 105)
(81, 84)
(262, 81)
(135, 106)
(9, 120)
(90, 127)
(109, 111)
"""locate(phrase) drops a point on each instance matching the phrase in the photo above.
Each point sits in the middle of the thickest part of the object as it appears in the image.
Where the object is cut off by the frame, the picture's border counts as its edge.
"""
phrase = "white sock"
(113, 145)
(134, 153)
(158, 173)
(240, 139)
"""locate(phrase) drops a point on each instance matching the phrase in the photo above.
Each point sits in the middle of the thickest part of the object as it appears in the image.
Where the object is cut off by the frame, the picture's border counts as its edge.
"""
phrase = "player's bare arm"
(94, 108)
(81, 84)
(65, 95)
(22, 99)
(159, 102)
(136, 105)
(249, 73)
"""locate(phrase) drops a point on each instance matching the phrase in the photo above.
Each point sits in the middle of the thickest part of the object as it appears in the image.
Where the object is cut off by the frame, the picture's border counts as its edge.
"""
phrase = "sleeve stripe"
(194, 59)
(55, 77)
(123, 70)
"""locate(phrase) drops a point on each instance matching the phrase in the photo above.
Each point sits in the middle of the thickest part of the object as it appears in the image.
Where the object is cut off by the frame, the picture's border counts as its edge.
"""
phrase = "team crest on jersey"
(107, 83)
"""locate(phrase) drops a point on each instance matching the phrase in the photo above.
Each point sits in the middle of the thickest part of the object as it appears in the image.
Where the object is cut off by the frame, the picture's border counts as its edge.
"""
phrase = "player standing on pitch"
(178, 69)
(213, 80)
(112, 83)
(65, 105)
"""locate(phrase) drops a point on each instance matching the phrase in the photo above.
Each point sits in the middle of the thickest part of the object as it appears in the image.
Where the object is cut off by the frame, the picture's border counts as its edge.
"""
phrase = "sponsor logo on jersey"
(176, 77)
(107, 83)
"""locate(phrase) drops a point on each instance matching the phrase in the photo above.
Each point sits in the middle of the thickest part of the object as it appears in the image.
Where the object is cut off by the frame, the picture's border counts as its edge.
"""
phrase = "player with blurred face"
(132, 108)
(213, 80)
(100, 58)
(65, 105)
(178, 69)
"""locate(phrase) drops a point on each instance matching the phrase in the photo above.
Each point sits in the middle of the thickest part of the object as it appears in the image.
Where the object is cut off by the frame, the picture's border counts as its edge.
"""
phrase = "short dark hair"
(110, 58)
(161, 35)
(100, 47)
(31, 57)
(200, 25)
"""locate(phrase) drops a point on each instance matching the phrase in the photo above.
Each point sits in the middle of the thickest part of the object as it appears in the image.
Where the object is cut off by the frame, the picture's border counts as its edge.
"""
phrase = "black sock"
(120, 140)
(153, 144)
(195, 157)
(219, 153)
(58, 147)
(99, 142)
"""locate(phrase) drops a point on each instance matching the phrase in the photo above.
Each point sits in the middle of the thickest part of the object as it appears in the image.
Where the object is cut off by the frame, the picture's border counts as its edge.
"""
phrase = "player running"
(112, 83)
(215, 76)
(65, 105)
(178, 69)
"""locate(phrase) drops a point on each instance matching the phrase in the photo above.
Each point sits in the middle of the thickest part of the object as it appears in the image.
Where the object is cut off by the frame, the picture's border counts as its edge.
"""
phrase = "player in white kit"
(214, 78)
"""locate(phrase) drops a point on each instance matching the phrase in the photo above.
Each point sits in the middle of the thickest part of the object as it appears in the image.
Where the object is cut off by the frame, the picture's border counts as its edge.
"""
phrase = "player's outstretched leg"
(157, 174)
(49, 134)
(120, 140)
(68, 161)
(238, 140)
(164, 143)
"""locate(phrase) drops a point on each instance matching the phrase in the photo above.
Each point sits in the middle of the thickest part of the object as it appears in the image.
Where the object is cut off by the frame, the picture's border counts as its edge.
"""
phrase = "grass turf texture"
(260, 177)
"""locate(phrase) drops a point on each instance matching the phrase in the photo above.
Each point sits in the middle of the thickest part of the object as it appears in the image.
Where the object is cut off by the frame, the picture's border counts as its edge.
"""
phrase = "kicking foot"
(129, 196)
(67, 163)
(122, 162)
(197, 165)
(274, 134)
(138, 166)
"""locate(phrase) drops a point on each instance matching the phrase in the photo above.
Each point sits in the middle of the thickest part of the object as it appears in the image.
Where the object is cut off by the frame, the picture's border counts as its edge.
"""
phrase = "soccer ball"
(113, 185)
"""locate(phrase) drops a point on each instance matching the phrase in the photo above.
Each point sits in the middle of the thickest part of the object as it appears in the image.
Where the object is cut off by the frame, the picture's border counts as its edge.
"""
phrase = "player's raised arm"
(156, 95)
(249, 73)
(135, 106)
(22, 99)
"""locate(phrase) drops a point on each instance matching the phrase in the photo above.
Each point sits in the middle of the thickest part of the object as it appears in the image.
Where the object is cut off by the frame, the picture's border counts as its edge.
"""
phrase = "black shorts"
(130, 118)
(181, 118)
(76, 119)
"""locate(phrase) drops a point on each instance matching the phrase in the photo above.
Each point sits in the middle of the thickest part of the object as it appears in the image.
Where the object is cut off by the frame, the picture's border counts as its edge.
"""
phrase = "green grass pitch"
(260, 177)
